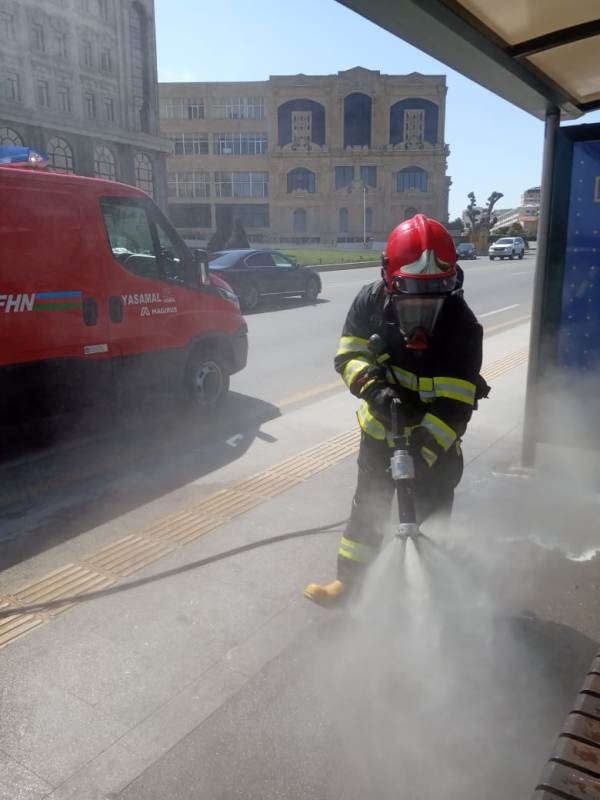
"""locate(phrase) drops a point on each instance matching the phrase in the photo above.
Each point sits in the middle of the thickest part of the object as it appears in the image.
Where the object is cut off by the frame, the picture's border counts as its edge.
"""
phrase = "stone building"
(78, 80)
(306, 158)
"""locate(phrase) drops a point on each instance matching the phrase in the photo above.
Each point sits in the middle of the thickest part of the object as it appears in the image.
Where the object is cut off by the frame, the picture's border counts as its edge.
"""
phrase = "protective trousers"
(434, 493)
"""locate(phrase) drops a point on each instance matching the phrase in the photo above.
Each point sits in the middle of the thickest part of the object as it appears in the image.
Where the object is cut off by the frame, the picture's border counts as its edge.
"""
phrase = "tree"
(238, 239)
(456, 225)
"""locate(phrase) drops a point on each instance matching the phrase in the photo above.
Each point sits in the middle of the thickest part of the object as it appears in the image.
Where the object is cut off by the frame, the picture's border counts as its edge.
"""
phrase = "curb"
(339, 267)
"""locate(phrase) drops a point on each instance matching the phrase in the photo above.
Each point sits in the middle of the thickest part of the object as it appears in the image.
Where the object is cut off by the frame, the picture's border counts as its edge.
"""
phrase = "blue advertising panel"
(579, 328)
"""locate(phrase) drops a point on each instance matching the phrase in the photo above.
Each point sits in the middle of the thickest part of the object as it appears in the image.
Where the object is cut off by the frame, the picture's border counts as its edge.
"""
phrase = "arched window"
(357, 120)
(411, 179)
(8, 137)
(410, 212)
(299, 220)
(144, 173)
(302, 179)
(343, 220)
(301, 123)
(60, 155)
(414, 121)
(105, 165)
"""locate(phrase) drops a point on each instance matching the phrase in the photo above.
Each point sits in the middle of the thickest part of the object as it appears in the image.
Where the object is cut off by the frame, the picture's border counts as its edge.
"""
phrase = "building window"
(64, 99)
(105, 165)
(172, 108)
(60, 155)
(299, 119)
(144, 173)
(87, 54)
(7, 26)
(106, 59)
(195, 108)
(239, 144)
(61, 45)
(414, 121)
(241, 184)
(301, 128)
(251, 215)
(299, 221)
(301, 179)
(8, 136)
(39, 40)
(343, 220)
(414, 128)
(189, 184)
(411, 179)
(368, 176)
(239, 108)
(189, 144)
(357, 120)
(89, 103)
(12, 87)
(343, 176)
(368, 220)
(109, 109)
(191, 215)
(42, 91)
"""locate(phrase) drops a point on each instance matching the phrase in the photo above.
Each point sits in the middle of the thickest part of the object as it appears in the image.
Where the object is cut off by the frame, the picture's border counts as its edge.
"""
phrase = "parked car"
(507, 247)
(257, 274)
(466, 250)
(99, 293)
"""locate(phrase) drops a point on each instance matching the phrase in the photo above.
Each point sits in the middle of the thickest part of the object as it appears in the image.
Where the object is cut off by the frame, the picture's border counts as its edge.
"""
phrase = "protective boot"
(329, 595)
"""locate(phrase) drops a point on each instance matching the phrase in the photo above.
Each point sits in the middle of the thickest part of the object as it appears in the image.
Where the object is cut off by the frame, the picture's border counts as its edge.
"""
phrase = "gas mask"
(416, 316)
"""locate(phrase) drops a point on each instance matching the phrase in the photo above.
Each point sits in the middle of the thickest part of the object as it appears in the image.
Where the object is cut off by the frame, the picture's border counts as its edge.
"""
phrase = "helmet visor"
(417, 313)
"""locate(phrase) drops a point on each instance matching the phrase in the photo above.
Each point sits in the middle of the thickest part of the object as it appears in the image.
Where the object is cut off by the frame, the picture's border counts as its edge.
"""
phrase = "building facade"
(304, 158)
(78, 80)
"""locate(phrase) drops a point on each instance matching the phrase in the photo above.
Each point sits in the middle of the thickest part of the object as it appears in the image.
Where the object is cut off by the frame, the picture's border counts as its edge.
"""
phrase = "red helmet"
(419, 269)
(420, 258)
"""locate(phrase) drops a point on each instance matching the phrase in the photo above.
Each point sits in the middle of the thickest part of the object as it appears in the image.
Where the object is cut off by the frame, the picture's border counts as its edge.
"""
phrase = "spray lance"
(402, 466)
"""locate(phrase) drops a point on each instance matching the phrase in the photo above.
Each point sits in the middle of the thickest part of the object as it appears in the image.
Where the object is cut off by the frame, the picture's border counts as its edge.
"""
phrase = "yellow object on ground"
(329, 595)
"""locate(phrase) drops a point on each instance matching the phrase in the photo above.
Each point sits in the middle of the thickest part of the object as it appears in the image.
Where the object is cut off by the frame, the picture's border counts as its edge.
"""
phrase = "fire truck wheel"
(206, 379)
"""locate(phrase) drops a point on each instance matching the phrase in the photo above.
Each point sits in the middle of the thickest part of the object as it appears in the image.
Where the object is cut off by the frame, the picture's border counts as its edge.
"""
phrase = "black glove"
(379, 396)
(424, 447)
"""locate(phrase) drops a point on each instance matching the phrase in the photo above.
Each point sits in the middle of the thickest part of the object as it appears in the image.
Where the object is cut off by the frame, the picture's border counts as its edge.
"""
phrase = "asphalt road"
(292, 344)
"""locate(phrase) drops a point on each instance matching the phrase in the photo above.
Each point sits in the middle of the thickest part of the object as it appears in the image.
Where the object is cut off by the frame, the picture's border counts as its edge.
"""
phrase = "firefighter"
(431, 361)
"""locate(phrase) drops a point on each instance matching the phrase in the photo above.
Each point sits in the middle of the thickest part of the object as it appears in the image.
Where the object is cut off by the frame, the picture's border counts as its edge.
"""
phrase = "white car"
(507, 247)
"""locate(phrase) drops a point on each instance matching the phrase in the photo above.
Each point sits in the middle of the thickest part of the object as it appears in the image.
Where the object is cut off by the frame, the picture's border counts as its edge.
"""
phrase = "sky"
(493, 146)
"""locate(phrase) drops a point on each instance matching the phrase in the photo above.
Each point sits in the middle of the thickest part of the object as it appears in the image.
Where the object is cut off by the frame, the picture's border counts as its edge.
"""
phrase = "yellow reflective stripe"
(352, 344)
(353, 369)
(442, 433)
(371, 426)
(356, 551)
(426, 389)
(428, 456)
(366, 385)
(455, 389)
(405, 378)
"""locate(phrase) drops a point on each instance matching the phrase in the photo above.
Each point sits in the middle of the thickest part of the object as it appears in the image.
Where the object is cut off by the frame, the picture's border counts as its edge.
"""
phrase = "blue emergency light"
(12, 155)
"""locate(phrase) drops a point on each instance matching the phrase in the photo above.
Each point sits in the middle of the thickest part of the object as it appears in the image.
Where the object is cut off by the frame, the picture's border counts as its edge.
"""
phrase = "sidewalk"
(111, 693)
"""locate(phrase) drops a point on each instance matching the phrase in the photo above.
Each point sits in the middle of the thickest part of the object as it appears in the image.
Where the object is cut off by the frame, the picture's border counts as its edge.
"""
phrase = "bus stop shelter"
(543, 58)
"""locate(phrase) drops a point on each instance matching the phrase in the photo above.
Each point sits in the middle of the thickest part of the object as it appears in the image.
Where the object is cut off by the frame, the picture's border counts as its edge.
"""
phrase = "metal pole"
(541, 269)
(364, 188)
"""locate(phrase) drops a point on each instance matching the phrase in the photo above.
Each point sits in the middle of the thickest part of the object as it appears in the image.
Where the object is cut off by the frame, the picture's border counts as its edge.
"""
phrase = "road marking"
(508, 324)
(498, 311)
(524, 272)
(316, 390)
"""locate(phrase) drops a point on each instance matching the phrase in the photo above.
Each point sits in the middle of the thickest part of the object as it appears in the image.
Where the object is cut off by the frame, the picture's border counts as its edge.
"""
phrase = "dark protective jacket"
(438, 386)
